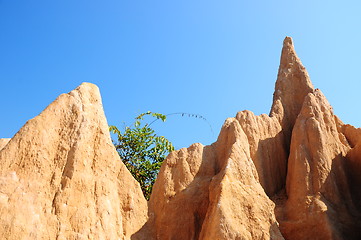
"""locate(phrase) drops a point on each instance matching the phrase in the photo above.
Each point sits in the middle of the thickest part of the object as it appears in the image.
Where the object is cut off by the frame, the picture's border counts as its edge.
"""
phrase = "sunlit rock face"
(3, 142)
(61, 177)
(292, 174)
(212, 192)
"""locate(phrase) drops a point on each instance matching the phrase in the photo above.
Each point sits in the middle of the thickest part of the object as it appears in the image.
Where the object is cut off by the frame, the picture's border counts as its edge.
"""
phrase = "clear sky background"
(212, 58)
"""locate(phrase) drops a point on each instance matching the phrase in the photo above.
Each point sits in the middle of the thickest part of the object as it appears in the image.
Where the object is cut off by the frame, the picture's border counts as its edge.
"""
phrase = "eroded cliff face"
(319, 200)
(300, 155)
(212, 192)
(292, 174)
(61, 177)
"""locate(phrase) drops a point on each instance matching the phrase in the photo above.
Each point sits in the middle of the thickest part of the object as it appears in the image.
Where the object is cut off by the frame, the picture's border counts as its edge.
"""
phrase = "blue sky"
(212, 58)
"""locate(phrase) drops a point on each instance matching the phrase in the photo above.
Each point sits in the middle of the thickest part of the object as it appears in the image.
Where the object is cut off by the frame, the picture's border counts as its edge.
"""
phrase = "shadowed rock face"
(61, 178)
(319, 201)
(270, 136)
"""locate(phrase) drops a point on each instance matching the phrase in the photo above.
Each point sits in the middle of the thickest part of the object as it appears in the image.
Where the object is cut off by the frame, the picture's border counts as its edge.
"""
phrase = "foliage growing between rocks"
(142, 150)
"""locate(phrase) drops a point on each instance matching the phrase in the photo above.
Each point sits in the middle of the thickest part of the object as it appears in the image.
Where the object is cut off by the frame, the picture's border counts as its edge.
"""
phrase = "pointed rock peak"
(87, 87)
(62, 168)
(292, 86)
(288, 40)
(317, 106)
(87, 92)
(318, 99)
(289, 55)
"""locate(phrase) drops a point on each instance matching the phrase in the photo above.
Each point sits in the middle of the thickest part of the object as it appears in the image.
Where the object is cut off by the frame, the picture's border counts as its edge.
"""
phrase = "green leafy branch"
(142, 150)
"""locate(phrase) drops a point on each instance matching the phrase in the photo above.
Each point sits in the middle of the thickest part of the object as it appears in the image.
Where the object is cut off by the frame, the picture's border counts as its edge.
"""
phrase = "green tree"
(142, 150)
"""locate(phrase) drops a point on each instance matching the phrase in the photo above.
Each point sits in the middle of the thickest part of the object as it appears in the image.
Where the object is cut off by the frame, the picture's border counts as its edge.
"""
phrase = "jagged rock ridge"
(292, 174)
(299, 156)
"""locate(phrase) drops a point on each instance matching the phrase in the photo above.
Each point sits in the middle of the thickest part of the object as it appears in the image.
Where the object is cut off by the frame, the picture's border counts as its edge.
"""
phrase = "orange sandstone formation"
(292, 174)
(301, 156)
(61, 177)
(3, 142)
